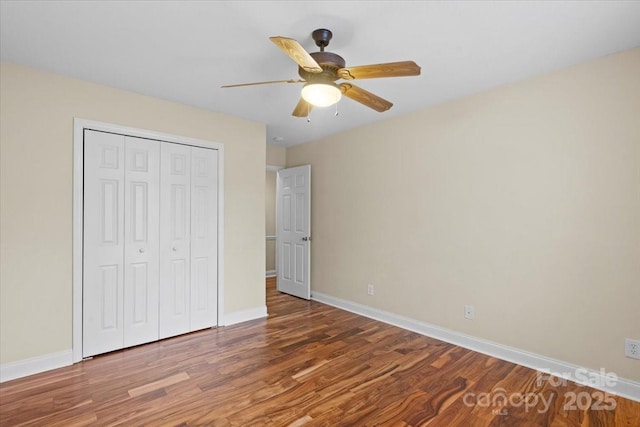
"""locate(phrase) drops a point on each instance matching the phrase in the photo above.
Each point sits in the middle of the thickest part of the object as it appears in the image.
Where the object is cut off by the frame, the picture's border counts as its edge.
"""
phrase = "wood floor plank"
(308, 364)
(153, 386)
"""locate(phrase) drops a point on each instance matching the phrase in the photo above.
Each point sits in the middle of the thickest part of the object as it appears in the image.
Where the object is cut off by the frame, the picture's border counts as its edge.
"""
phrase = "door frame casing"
(79, 125)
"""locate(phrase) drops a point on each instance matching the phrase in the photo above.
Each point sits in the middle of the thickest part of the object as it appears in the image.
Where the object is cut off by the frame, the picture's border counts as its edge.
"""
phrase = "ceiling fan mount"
(320, 70)
(322, 37)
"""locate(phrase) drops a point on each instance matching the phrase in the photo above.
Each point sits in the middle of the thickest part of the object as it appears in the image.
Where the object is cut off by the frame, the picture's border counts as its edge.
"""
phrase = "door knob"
(141, 250)
(174, 249)
(306, 238)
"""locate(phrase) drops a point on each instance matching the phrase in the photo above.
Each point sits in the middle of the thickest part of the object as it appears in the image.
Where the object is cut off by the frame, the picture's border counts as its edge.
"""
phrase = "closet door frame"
(79, 126)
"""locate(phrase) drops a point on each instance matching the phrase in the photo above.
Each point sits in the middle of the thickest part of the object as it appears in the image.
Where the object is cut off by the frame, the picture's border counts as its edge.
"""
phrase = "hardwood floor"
(308, 364)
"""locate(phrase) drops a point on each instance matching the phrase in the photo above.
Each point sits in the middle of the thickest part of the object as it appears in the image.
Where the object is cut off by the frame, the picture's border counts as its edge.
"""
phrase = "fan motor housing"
(330, 63)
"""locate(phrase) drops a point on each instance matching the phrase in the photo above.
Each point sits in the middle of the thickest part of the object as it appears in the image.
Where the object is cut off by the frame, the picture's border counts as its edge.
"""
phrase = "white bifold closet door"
(150, 240)
(204, 238)
(141, 240)
(188, 236)
(175, 237)
(120, 272)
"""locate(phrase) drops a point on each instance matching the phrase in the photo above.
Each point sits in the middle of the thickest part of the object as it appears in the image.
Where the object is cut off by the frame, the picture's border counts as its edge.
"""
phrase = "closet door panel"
(103, 240)
(175, 238)
(204, 237)
(141, 249)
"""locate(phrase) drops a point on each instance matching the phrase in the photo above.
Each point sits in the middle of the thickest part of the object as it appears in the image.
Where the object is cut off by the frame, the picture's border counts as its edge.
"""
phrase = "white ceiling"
(184, 51)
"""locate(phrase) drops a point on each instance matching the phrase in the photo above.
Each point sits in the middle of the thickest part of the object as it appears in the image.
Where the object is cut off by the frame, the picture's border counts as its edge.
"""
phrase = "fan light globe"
(321, 94)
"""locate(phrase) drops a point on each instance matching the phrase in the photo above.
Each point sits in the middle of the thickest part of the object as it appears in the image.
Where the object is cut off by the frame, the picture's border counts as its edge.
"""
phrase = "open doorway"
(270, 221)
(275, 161)
(287, 224)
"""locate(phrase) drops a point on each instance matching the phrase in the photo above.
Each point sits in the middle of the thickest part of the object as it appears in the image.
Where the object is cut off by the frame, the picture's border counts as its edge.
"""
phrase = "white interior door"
(293, 217)
(175, 240)
(103, 240)
(141, 240)
(204, 238)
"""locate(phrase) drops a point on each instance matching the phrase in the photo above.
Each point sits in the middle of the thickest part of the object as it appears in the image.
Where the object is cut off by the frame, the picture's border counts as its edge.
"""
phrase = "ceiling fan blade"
(390, 69)
(302, 109)
(296, 52)
(364, 97)
(265, 83)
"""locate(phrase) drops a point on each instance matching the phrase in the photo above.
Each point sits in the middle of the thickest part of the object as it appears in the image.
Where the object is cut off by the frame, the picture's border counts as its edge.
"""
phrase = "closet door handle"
(141, 250)
(174, 249)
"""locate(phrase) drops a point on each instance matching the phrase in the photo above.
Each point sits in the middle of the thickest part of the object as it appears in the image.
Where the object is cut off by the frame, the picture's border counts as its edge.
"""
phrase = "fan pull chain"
(308, 113)
(336, 109)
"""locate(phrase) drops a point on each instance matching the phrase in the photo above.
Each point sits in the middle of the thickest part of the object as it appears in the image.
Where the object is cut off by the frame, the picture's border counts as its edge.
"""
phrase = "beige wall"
(523, 201)
(276, 156)
(36, 112)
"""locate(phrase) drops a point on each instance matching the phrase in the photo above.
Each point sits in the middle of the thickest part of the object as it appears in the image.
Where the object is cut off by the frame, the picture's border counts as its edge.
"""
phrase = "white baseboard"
(270, 273)
(622, 387)
(35, 365)
(245, 315)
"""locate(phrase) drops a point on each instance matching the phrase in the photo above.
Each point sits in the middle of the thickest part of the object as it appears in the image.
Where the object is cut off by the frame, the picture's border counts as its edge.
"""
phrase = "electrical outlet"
(369, 289)
(632, 348)
(468, 312)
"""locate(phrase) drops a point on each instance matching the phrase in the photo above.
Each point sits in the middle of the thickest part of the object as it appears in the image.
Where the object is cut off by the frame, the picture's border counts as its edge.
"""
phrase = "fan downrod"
(322, 37)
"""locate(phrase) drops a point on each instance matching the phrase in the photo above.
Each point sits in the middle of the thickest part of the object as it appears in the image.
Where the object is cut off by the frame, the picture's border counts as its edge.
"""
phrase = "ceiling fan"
(320, 70)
